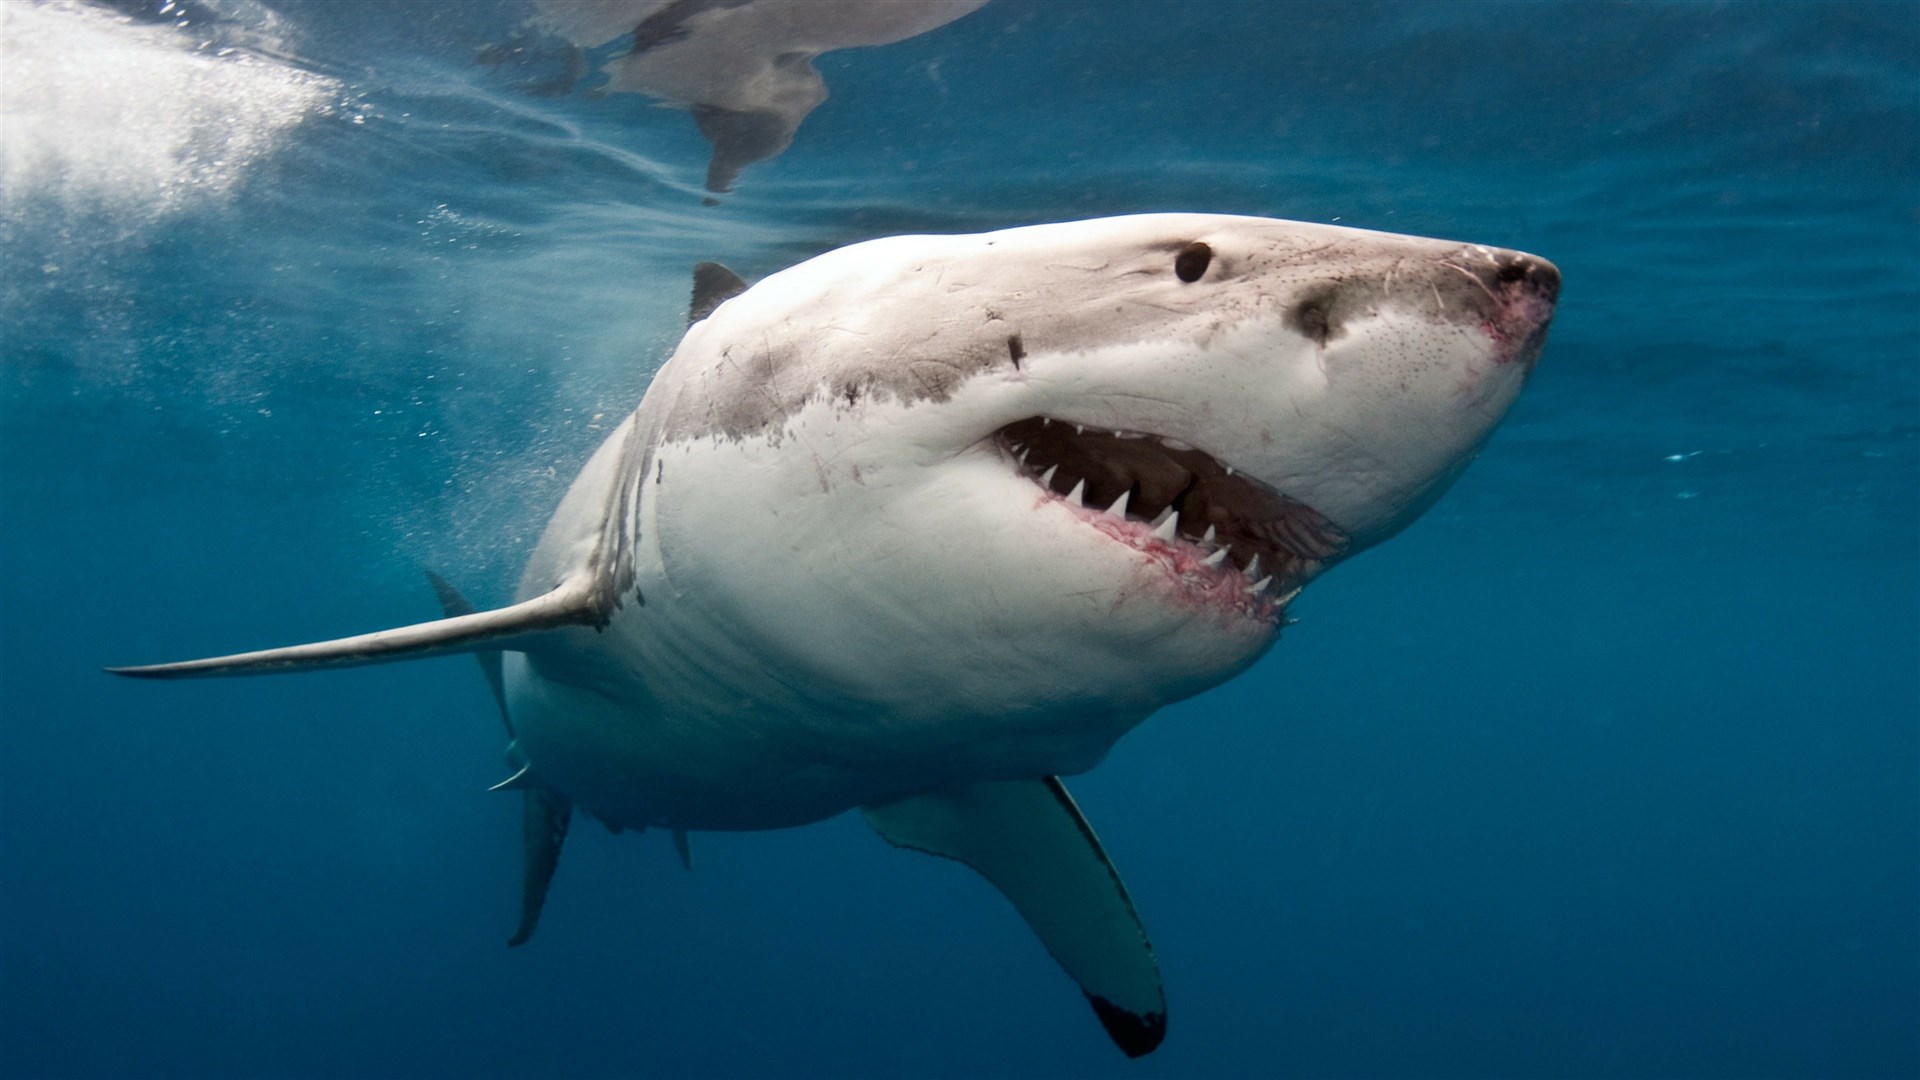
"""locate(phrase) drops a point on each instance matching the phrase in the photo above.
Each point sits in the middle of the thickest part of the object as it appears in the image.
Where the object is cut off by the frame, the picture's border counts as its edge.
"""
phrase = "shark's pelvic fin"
(455, 605)
(1028, 838)
(572, 604)
(546, 815)
(713, 285)
(519, 781)
(682, 848)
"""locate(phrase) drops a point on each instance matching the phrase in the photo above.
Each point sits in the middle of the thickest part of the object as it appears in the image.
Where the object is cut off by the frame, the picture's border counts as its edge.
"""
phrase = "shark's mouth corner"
(1227, 537)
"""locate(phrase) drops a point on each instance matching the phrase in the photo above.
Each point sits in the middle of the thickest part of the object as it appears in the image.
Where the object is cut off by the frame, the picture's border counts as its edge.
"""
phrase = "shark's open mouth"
(1219, 530)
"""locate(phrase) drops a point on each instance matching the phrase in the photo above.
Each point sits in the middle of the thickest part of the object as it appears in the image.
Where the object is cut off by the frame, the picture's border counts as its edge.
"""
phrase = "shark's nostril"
(1513, 269)
(1544, 277)
(1313, 316)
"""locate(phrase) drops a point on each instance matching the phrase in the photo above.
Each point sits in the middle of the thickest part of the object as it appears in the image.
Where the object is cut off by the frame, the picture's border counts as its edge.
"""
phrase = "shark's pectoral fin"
(1027, 837)
(545, 818)
(572, 604)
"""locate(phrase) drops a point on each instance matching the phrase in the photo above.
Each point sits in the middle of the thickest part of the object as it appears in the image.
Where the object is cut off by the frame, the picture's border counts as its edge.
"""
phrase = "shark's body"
(921, 524)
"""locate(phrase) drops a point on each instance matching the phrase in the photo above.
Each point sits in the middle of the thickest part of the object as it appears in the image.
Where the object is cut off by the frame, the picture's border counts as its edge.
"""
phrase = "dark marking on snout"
(1016, 349)
(1313, 317)
(1517, 270)
(1541, 276)
(1513, 293)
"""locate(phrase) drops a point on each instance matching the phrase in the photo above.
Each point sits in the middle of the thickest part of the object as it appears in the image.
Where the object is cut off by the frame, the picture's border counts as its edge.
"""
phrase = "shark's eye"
(1192, 262)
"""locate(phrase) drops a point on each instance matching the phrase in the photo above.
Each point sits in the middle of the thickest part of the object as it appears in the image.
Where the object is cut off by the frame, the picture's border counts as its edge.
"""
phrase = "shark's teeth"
(1245, 539)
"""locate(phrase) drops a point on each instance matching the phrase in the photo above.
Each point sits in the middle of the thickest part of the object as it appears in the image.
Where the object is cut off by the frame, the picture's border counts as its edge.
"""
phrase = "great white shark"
(923, 524)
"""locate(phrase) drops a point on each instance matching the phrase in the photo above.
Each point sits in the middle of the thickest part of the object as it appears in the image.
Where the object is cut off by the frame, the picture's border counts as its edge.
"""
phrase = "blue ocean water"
(1609, 766)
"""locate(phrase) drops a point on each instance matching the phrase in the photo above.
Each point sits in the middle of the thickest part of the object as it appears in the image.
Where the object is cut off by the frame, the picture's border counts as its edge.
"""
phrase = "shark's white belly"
(759, 754)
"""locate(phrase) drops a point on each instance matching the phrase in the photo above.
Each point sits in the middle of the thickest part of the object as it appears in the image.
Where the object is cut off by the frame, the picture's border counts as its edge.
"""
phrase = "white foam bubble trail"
(99, 113)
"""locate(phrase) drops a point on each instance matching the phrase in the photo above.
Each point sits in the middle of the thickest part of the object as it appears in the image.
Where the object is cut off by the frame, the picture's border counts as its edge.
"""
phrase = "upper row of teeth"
(1167, 441)
(1166, 527)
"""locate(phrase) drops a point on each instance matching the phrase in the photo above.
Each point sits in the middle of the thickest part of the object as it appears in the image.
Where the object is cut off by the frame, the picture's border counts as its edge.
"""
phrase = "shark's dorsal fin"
(572, 604)
(455, 605)
(1028, 838)
(713, 285)
(545, 817)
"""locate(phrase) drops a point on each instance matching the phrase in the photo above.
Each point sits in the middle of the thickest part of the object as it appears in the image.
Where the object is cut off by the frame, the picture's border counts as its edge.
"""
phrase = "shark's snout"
(1521, 290)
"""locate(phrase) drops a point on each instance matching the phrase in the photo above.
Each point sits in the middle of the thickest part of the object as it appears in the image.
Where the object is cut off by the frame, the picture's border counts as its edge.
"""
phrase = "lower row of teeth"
(1166, 528)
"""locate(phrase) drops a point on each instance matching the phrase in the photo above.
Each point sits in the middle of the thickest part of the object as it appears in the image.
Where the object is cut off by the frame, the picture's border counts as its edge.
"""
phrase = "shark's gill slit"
(1190, 500)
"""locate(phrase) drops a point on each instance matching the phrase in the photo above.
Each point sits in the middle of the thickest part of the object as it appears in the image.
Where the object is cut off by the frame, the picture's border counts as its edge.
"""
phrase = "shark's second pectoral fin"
(455, 606)
(546, 815)
(1028, 838)
(572, 604)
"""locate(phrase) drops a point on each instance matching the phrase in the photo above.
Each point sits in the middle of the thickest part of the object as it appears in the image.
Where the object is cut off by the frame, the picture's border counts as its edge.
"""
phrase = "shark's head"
(1080, 464)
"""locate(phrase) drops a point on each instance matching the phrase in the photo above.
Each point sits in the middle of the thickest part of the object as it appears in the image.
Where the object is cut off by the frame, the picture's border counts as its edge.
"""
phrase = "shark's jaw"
(1225, 540)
